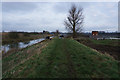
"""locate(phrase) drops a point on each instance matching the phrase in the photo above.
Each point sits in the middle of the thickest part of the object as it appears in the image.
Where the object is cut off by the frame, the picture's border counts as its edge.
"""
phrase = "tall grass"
(13, 35)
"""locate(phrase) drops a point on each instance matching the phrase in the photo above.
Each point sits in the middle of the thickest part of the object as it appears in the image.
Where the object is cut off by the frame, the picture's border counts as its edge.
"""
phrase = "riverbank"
(60, 58)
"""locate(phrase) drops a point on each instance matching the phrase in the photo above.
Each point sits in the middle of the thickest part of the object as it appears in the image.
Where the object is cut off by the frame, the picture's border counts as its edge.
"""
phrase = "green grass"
(107, 42)
(15, 58)
(66, 58)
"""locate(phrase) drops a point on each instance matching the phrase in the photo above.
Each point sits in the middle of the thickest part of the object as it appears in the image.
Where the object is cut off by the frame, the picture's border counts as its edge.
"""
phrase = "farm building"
(94, 33)
(102, 35)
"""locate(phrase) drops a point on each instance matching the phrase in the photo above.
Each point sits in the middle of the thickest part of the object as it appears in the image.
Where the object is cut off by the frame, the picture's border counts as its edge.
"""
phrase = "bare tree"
(74, 21)
(57, 32)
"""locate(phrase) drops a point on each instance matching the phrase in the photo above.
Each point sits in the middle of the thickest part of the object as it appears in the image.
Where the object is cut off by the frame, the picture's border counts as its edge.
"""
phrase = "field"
(59, 58)
(104, 46)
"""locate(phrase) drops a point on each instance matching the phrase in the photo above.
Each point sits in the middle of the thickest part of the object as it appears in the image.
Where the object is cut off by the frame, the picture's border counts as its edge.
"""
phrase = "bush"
(26, 34)
(13, 35)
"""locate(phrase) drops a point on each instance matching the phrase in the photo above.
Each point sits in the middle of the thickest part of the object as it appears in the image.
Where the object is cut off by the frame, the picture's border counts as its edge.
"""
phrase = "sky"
(50, 16)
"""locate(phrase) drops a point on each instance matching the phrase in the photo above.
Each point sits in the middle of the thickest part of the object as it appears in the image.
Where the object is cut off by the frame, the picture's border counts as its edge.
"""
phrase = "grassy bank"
(64, 58)
(11, 60)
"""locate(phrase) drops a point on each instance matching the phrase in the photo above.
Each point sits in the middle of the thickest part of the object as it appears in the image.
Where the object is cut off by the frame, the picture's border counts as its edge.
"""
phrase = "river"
(20, 45)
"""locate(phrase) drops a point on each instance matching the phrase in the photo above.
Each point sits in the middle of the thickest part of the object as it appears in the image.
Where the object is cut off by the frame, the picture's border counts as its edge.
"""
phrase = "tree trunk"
(74, 33)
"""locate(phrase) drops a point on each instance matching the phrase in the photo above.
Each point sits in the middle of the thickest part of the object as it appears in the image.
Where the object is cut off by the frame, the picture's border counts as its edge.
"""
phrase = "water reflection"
(8, 47)
(27, 42)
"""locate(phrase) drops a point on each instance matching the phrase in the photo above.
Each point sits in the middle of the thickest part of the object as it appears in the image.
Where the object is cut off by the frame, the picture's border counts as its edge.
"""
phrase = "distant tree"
(43, 31)
(74, 21)
(57, 32)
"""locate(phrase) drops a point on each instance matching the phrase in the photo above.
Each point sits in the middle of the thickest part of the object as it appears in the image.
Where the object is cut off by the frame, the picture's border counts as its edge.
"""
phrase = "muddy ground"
(109, 49)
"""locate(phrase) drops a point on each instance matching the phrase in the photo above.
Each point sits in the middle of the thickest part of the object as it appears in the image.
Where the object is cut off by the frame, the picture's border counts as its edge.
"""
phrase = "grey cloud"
(18, 6)
(50, 16)
(63, 7)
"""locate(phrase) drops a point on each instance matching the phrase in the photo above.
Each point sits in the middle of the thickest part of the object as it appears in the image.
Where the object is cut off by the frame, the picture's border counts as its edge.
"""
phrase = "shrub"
(13, 35)
(26, 34)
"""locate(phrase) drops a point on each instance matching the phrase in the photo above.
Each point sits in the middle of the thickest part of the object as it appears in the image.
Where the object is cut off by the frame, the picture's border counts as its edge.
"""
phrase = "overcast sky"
(33, 16)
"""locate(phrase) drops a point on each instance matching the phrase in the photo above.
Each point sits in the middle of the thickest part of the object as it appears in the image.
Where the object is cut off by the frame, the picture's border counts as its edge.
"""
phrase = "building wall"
(94, 33)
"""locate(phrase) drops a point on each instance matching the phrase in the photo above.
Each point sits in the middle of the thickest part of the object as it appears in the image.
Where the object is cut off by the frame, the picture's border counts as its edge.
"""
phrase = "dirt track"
(70, 64)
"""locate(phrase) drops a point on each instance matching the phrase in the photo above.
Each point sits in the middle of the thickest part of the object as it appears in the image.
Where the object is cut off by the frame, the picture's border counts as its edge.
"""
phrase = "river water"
(19, 45)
